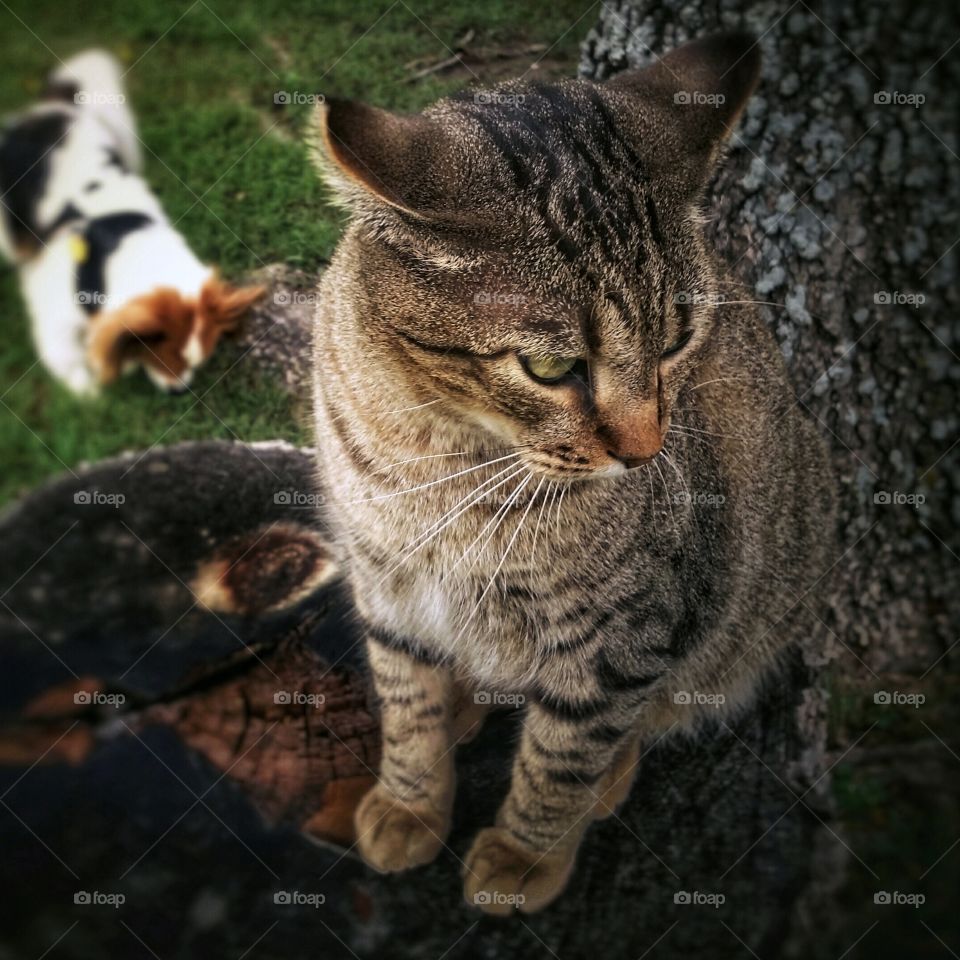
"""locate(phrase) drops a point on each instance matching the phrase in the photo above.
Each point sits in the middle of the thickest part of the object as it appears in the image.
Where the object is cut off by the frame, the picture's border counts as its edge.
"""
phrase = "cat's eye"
(549, 368)
(677, 345)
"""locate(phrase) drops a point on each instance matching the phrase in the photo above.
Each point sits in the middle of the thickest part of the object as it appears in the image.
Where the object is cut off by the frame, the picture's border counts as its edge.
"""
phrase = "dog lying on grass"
(109, 282)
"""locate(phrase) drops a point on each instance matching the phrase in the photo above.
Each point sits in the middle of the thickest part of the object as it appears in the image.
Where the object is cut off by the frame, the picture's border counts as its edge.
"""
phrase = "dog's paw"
(393, 835)
(503, 874)
(81, 382)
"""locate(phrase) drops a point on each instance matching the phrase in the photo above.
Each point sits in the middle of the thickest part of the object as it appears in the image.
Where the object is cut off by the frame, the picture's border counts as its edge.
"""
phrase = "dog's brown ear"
(118, 336)
(223, 304)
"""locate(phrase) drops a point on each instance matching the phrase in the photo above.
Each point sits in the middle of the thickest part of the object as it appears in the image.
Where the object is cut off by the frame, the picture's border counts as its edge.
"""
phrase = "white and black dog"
(109, 283)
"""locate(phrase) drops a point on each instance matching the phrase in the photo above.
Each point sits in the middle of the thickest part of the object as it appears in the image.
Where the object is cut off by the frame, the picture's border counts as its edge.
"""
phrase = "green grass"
(231, 171)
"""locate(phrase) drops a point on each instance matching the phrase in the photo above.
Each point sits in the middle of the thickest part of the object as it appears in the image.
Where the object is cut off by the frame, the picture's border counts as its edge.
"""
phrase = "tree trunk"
(216, 795)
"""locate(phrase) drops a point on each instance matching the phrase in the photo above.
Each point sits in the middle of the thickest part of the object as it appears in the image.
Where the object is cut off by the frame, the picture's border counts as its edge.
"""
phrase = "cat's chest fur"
(477, 592)
(450, 620)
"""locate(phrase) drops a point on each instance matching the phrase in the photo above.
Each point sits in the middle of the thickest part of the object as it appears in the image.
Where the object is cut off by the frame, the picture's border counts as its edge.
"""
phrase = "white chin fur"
(193, 351)
(614, 469)
(168, 383)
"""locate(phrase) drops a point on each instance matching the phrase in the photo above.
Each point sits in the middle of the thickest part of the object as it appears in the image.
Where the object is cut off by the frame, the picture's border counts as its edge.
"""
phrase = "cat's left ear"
(683, 107)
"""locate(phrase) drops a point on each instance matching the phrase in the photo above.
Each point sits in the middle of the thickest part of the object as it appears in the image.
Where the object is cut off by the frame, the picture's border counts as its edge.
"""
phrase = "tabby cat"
(559, 448)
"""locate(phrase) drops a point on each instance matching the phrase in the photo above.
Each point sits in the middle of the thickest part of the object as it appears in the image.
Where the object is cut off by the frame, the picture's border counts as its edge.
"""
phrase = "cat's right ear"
(370, 156)
(681, 109)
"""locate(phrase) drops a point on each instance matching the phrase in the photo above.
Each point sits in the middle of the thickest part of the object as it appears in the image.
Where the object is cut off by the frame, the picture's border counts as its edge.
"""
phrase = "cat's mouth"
(573, 467)
(561, 462)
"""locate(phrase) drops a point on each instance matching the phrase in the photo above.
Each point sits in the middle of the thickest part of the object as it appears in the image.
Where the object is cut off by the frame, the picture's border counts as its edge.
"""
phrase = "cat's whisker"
(430, 456)
(707, 383)
(475, 496)
(653, 497)
(556, 492)
(506, 552)
(666, 491)
(683, 484)
(418, 406)
(682, 427)
(690, 437)
(676, 470)
(432, 483)
(492, 525)
(536, 530)
(501, 515)
(494, 522)
(553, 497)
(563, 493)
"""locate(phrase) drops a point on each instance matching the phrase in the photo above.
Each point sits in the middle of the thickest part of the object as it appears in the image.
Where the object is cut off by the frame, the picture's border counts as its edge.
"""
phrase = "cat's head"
(533, 255)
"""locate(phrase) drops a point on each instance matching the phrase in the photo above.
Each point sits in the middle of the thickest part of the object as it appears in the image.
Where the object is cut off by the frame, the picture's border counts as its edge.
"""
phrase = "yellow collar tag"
(79, 249)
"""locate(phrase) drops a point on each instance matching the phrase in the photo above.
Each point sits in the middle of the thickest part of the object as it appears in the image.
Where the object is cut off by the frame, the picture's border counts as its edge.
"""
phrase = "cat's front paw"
(393, 835)
(503, 874)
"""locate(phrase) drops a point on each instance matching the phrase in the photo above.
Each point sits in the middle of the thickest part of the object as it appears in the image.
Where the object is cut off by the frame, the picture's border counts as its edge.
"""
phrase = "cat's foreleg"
(567, 771)
(404, 820)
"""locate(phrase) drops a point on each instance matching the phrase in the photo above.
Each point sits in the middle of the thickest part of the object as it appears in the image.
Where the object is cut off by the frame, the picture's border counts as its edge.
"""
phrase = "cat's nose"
(635, 437)
(630, 461)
